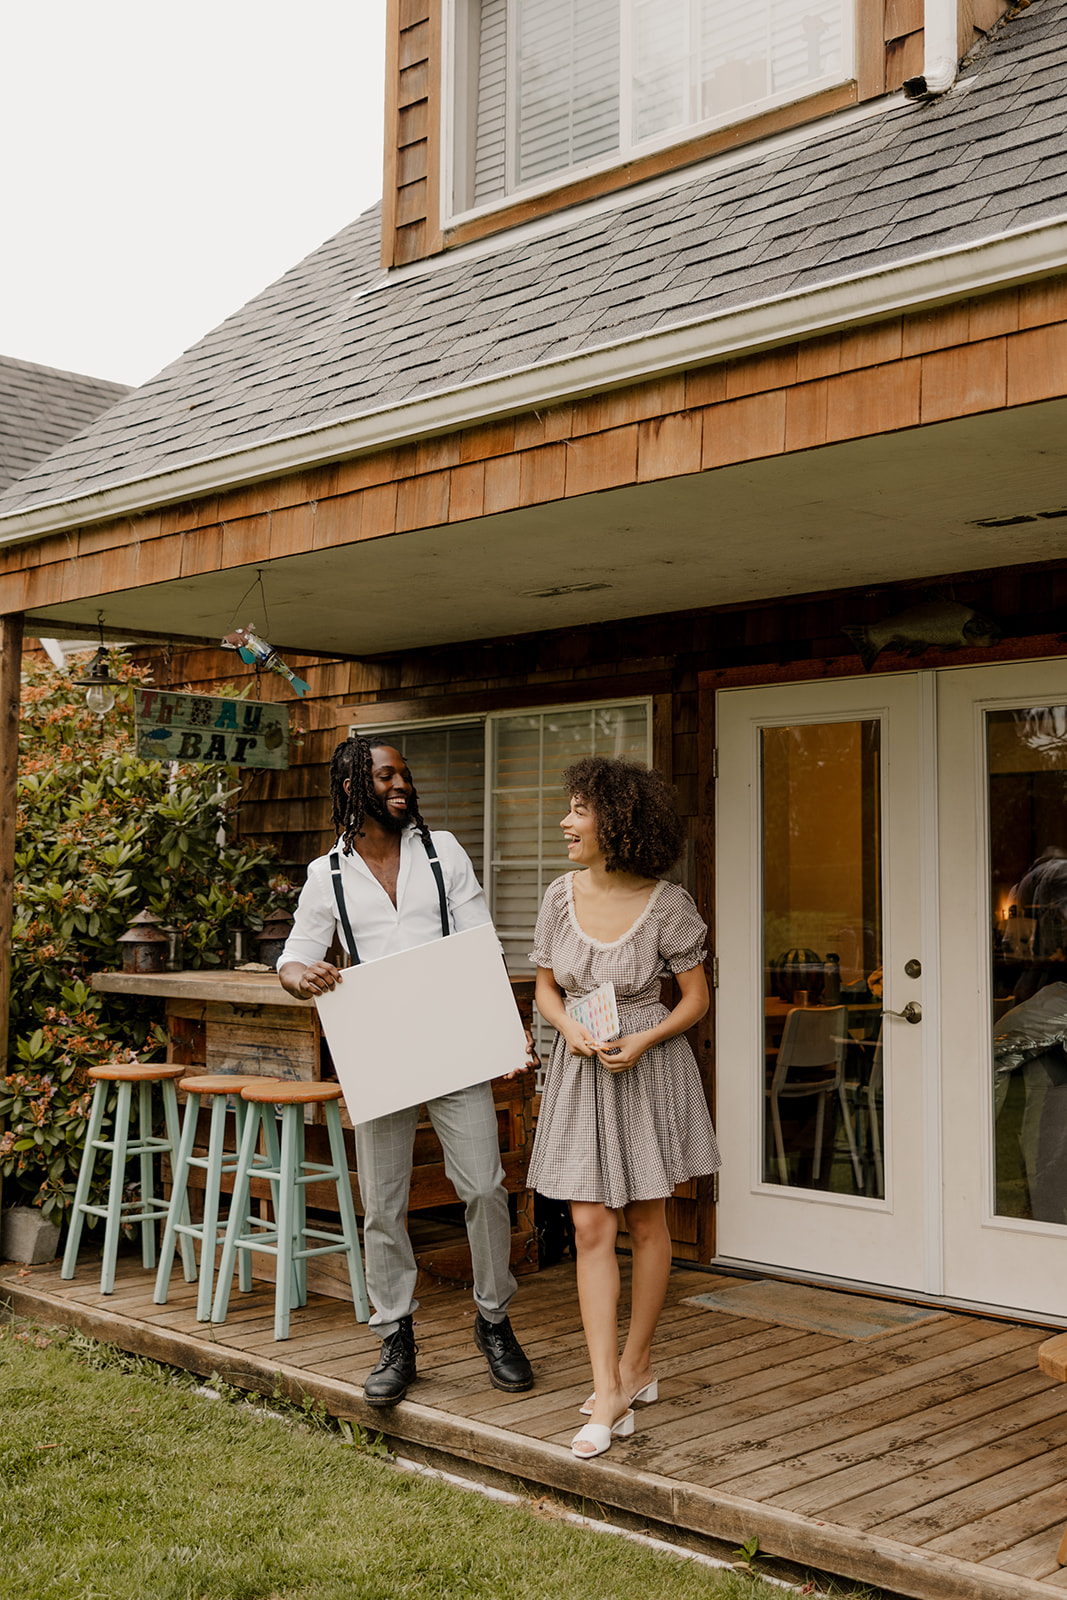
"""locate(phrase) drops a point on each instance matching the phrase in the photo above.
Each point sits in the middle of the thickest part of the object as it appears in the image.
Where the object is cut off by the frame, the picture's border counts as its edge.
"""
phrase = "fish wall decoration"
(256, 652)
(945, 623)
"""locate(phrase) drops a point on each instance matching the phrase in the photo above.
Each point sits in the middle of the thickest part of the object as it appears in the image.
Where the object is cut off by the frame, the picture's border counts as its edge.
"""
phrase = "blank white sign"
(422, 1023)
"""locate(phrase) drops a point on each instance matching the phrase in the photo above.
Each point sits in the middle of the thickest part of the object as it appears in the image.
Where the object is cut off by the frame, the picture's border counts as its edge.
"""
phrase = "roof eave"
(929, 280)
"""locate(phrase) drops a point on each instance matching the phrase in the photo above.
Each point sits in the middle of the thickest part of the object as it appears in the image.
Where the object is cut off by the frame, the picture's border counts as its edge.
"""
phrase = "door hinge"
(715, 763)
(714, 972)
(715, 1188)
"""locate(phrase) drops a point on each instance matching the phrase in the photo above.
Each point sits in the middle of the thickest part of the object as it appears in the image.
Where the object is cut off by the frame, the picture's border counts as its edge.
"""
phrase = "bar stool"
(286, 1238)
(145, 1146)
(218, 1088)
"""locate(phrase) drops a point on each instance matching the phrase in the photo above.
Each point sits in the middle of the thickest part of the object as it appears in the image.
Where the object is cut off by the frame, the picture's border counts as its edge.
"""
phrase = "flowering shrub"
(101, 835)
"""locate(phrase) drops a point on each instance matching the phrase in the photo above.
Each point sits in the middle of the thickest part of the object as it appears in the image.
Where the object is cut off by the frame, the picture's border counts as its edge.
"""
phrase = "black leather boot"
(389, 1381)
(508, 1366)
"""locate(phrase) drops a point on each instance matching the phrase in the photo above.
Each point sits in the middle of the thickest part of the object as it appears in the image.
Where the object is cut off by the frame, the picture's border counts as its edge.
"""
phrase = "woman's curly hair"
(637, 825)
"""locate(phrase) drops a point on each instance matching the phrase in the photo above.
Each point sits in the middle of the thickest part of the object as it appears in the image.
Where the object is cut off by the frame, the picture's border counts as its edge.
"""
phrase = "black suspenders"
(342, 910)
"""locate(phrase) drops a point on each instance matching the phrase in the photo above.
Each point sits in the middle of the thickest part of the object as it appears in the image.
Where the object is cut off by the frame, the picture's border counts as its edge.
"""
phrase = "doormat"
(798, 1305)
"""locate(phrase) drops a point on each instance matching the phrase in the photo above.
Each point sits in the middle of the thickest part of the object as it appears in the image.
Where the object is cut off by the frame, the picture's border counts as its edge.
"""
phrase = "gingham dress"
(616, 1137)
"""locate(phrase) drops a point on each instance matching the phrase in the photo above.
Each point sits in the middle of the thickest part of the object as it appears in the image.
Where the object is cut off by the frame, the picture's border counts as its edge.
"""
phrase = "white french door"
(885, 845)
(826, 905)
(1003, 807)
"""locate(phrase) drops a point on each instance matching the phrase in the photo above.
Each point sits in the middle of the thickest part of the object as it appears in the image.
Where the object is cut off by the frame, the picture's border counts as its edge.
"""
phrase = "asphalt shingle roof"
(41, 408)
(312, 350)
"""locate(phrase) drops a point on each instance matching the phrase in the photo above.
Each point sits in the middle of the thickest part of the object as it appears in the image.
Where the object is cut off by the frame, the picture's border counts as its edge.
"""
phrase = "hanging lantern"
(98, 684)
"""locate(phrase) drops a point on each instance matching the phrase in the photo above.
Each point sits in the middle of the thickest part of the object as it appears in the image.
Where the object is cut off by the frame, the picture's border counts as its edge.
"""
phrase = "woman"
(621, 1123)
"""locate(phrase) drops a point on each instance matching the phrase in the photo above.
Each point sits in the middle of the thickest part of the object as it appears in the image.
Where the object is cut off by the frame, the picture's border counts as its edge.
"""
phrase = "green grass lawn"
(119, 1482)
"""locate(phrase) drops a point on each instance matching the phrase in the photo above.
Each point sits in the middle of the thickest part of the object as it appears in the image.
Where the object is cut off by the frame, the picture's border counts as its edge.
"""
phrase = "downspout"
(940, 50)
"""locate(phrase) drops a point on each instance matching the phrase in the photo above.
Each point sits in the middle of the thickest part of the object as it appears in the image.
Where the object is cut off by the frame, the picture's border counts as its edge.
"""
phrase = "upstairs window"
(552, 88)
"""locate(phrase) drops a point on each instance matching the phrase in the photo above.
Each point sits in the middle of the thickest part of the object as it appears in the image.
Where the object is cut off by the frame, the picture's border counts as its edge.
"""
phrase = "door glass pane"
(822, 957)
(1028, 881)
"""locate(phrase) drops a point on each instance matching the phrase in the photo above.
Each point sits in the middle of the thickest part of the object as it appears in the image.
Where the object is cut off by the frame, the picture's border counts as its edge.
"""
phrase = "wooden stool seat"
(135, 1072)
(284, 1092)
(146, 1146)
(288, 1237)
(220, 1083)
(218, 1087)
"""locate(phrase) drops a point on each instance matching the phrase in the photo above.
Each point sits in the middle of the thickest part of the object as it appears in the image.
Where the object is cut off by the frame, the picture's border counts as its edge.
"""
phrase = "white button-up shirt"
(380, 928)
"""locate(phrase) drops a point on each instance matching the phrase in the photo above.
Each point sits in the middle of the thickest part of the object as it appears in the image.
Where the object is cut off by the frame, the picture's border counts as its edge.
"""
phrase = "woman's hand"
(623, 1053)
(307, 982)
(580, 1041)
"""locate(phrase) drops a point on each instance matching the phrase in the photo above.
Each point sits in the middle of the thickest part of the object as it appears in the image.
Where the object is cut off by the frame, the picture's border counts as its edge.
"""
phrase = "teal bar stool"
(287, 1236)
(217, 1088)
(123, 1147)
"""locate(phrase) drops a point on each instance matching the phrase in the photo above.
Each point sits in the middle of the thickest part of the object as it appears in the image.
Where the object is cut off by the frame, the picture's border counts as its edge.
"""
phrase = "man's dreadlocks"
(352, 762)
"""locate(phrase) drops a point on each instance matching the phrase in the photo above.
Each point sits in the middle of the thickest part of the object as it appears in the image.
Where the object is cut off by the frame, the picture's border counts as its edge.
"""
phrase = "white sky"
(163, 163)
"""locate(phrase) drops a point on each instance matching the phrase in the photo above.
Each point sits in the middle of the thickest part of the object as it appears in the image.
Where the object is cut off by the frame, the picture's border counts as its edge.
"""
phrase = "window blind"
(490, 146)
(566, 84)
(563, 83)
(448, 769)
(528, 752)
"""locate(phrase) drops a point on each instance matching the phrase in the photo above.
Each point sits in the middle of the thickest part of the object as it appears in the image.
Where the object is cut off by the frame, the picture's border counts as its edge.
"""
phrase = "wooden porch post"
(10, 696)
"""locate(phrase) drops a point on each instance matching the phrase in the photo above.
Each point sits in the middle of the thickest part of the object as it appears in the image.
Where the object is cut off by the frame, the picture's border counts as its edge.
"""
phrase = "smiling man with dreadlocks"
(390, 885)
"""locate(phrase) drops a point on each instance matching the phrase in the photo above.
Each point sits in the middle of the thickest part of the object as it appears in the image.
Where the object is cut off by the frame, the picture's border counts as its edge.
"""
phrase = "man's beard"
(376, 807)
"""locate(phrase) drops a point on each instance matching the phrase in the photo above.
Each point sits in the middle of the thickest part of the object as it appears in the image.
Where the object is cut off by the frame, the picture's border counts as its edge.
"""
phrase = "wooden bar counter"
(242, 1021)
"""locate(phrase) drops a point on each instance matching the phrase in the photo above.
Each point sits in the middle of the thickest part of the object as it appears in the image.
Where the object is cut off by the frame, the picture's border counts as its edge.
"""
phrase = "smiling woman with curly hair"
(622, 1121)
(637, 826)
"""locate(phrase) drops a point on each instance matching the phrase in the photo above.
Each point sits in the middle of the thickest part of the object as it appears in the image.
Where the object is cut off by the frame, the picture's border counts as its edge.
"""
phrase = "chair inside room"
(811, 1062)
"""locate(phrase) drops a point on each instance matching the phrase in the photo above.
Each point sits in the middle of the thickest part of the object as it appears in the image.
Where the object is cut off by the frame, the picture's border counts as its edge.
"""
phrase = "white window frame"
(458, 133)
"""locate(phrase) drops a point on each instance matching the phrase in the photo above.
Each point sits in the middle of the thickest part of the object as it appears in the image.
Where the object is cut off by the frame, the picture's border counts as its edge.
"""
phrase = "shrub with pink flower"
(101, 835)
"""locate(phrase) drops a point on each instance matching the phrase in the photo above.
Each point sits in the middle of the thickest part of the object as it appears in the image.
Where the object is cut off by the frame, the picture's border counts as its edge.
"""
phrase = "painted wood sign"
(209, 728)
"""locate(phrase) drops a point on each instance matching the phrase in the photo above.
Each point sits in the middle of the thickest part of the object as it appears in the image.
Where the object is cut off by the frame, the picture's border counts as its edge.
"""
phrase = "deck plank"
(1009, 1525)
(784, 1425)
(926, 1487)
(980, 1513)
(1034, 1557)
(1004, 1382)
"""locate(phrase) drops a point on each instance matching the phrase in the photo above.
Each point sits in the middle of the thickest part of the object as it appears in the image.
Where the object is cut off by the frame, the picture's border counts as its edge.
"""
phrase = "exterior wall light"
(98, 684)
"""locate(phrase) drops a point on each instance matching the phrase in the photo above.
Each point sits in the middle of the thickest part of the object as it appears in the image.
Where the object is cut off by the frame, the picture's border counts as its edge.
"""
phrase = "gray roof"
(41, 408)
(988, 157)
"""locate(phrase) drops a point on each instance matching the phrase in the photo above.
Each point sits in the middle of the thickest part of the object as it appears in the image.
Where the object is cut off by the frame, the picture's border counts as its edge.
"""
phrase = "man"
(396, 887)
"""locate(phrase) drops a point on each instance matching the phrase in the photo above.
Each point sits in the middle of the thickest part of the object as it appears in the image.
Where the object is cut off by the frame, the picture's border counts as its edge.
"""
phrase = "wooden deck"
(930, 1461)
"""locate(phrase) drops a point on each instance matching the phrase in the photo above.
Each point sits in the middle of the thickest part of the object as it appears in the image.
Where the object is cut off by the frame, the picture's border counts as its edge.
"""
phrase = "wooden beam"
(10, 696)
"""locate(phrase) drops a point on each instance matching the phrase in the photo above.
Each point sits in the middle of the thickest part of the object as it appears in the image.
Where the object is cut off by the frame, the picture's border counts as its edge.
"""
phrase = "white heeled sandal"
(599, 1436)
(643, 1397)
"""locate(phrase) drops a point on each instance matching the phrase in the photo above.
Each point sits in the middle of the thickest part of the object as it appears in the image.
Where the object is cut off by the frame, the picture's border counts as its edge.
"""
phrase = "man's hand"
(531, 1063)
(307, 982)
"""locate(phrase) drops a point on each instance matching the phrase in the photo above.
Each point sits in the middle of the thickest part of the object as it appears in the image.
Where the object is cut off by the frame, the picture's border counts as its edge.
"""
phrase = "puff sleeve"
(683, 933)
(553, 906)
